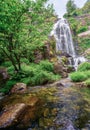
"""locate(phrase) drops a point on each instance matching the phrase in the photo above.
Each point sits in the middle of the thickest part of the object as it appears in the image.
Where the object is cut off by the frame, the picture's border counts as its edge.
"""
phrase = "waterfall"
(64, 42)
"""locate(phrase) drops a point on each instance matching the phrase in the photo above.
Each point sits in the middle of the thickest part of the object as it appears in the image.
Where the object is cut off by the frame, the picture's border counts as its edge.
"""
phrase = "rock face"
(60, 69)
(38, 56)
(3, 76)
(10, 115)
(19, 88)
(42, 54)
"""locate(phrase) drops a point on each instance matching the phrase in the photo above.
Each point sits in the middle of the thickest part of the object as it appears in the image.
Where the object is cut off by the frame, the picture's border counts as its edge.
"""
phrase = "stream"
(65, 107)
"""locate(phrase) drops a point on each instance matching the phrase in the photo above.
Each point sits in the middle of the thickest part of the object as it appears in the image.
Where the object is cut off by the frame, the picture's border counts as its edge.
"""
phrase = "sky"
(60, 5)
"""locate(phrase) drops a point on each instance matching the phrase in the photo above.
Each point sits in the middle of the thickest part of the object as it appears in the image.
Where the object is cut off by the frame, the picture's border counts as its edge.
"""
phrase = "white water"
(64, 42)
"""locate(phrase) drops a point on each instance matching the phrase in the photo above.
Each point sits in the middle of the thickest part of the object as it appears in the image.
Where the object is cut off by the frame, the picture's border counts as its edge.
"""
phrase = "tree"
(86, 8)
(70, 7)
(23, 28)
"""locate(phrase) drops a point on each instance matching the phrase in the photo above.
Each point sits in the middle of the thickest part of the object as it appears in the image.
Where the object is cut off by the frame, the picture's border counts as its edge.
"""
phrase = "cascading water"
(64, 42)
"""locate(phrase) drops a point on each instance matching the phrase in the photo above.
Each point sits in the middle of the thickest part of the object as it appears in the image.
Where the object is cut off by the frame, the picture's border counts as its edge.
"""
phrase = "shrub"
(84, 66)
(6, 64)
(43, 77)
(78, 76)
(32, 74)
(8, 86)
(46, 65)
(82, 29)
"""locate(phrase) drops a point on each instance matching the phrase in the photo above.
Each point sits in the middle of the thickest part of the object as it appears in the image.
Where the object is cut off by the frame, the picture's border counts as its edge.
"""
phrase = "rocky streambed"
(57, 106)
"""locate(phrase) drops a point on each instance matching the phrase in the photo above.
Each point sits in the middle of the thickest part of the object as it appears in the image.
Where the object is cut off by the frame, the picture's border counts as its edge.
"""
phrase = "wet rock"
(20, 115)
(3, 76)
(9, 116)
(60, 69)
(80, 84)
(19, 88)
(1, 96)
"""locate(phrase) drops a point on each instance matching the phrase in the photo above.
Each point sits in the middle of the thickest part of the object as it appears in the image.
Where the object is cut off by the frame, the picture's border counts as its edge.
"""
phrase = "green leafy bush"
(39, 73)
(82, 29)
(84, 66)
(87, 73)
(43, 77)
(6, 64)
(46, 65)
(8, 86)
(32, 74)
(78, 76)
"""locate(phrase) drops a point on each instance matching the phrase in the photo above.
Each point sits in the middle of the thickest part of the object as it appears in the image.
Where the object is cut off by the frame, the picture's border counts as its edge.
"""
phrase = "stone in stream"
(20, 115)
(19, 88)
(10, 114)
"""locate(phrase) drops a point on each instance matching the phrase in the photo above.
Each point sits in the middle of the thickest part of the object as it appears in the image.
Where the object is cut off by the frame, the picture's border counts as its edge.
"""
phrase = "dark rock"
(47, 50)
(1, 96)
(3, 76)
(60, 69)
(80, 84)
(38, 56)
(19, 88)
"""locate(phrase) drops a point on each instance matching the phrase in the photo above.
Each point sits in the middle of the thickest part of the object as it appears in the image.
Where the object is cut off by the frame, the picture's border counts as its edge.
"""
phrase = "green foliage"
(81, 29)
(24, 27)
(8, 86)
(84, 66)
(39, 74)
(31, 74)
(82, 74)
(43, 77)
(87, 73)
(86, 8)
(46, 65)
(6, 64)
(73, 24)
(70, 6)
(78, 76)
(84, 43)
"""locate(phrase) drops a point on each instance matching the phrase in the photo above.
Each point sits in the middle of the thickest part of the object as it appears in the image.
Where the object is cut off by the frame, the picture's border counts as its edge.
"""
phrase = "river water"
(67, 108)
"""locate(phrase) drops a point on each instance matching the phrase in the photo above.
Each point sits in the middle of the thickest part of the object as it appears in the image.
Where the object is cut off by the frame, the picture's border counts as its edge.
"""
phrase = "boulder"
(19, 88)
(60, 69)
(19, 111)
(3, 76)
(9, 116)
